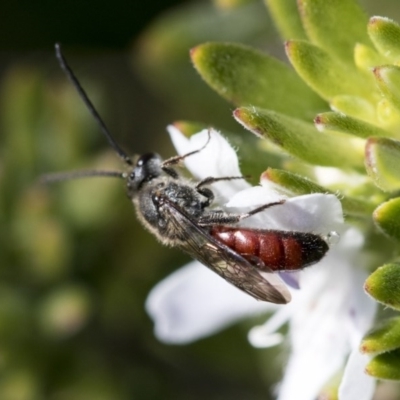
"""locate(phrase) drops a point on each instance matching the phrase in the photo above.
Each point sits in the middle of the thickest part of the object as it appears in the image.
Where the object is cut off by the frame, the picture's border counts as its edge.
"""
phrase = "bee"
(180, 214)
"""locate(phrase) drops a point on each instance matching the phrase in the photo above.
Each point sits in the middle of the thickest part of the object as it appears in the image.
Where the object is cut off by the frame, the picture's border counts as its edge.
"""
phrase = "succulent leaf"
(230, 4)
(388, 79)
(387, 218)
(366, 58)
(354, 106)
(297, 185)
(327, 75)
(246, 76)
(385, 34)
(383, 285)
(343, 123)
(300, 139)
(287, 19)
(383, 337)
(189, 128)
(161, 53)
(388, 116)
(324, 21)
(385, 366)
(382, 156)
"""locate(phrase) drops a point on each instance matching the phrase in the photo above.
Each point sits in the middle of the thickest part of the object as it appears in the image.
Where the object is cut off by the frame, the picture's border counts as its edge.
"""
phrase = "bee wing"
(262, 285)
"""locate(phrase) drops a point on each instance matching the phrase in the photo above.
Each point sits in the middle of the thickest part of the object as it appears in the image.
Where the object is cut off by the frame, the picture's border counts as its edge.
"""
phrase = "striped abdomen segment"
(277, 250)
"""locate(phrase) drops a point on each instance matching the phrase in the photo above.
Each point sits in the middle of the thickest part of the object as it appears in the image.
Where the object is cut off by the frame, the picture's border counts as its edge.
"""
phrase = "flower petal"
(317, 213)
(356, 384)
(319, 343)
(308, 370)
(193, 302)
(291, 278)
(331, 312)
(265, 335)
(254, 196)
(259, 338)
(216, 159)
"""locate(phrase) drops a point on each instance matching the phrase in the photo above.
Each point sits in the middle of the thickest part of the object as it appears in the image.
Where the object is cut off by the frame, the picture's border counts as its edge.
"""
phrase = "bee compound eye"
(145, 158)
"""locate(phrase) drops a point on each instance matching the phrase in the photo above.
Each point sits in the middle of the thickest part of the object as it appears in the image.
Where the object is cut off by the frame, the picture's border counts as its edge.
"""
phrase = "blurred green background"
(76, 266)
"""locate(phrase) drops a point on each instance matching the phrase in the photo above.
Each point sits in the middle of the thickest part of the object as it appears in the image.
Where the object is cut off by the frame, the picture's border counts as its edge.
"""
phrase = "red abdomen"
(277, 250)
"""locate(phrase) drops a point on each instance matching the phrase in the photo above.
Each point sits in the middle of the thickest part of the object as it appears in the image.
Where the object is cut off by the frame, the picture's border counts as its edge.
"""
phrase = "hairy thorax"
(155, 200)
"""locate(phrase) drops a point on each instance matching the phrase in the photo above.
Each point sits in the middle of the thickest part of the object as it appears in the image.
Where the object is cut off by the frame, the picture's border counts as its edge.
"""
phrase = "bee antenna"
(67, 176)
(74, 80)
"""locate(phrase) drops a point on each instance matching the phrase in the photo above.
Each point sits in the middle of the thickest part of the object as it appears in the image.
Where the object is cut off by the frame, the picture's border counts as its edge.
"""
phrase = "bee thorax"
(154, 204)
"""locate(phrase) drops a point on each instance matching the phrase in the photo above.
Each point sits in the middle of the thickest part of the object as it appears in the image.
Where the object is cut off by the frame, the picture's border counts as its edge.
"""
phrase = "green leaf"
(231, 4)
(367, 58)
(384, 337)
(189, 128)
(298, 185)
(343, 123)
(388, 79)
(387, 217)
(325, 74)
(246, 76)
(384, 285)
(292, 184)
(300, 139)
(335, 26)
(161, 54)
(354, 106)
(388, 116)
(65, 311)
(287, 19)
(385, 366)
(382, 160)
(385, 34)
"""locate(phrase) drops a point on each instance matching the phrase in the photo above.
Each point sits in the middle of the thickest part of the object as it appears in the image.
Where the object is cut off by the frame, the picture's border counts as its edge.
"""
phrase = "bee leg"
(209, 180)
(221, 218)
(208, 193)
(254, 260)
(178, 159)
(170, 171)
(218, 218)
(259, 209)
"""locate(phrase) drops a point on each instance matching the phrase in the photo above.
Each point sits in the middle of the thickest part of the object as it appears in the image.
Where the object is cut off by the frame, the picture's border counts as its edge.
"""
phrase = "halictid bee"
(179, 214)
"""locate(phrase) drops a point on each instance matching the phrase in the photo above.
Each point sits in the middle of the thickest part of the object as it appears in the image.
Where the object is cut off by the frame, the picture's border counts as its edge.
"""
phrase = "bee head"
(146, 169)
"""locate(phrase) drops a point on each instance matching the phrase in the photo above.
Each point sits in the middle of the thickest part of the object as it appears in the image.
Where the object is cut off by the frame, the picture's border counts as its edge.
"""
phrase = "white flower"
(327, 316)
